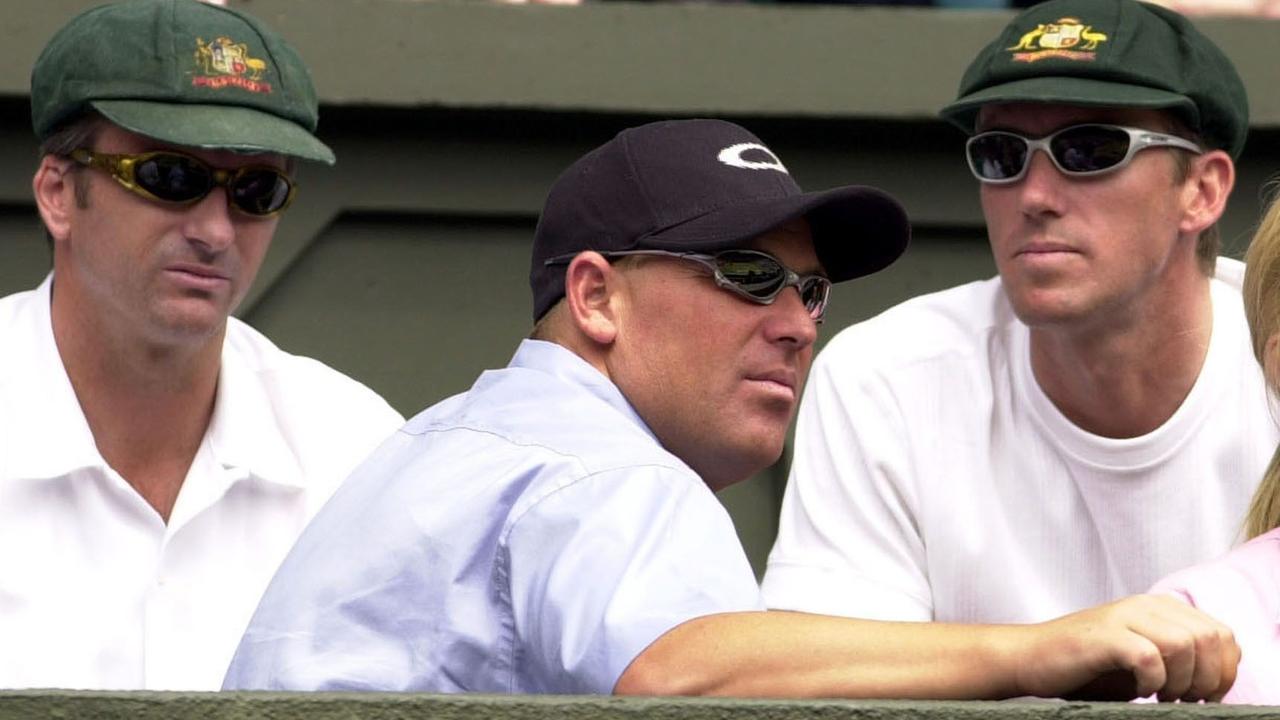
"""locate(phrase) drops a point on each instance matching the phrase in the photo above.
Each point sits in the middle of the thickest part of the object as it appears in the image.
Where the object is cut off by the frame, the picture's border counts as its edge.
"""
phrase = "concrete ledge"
(30, 705)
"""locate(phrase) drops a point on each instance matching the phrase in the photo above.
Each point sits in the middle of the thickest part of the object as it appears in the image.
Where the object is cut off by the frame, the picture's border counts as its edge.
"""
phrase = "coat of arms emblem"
(227, 62)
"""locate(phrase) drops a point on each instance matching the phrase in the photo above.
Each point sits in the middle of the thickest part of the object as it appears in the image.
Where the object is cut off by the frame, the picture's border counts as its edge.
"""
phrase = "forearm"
(1132, 647)
(784, 654)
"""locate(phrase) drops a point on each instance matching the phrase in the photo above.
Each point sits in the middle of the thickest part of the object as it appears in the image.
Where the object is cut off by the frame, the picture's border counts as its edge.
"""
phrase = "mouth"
(197, 275)
(781, 383)
(1045, 248)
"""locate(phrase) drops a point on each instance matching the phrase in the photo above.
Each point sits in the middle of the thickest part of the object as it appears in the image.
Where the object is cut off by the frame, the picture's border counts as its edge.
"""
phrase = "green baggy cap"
(180, 71)
(1111, 53)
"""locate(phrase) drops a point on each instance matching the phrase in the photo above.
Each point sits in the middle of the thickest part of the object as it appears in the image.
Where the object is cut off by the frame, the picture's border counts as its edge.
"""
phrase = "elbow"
(694, 658)
(647, 675)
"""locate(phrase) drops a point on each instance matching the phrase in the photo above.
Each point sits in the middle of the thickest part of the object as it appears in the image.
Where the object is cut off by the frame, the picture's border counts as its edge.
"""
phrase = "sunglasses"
(170, 177)
(999, 156)
(750, 274)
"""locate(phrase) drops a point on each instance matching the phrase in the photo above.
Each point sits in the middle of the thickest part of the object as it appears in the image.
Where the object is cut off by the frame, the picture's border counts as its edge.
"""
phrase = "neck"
(148, 405)
(1127, 375)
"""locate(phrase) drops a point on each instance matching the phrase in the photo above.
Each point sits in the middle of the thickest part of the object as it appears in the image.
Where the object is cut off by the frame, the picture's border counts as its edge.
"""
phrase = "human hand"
(1134, 647)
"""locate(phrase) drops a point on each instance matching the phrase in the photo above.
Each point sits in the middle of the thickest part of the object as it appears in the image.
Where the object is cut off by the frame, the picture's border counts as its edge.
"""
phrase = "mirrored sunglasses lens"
(997, 156)
(814, 292)
(173, 177)
(1089, 148)
(260, 191)
(759, 276)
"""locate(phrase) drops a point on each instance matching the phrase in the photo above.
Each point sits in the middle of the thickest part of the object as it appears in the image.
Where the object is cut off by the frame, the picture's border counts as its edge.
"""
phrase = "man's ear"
(1208, 185)
(54, 188)
(591, 287)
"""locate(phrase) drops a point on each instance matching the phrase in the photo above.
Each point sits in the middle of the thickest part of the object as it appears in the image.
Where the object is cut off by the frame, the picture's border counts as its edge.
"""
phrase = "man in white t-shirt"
(158, 458)
(1087, 422)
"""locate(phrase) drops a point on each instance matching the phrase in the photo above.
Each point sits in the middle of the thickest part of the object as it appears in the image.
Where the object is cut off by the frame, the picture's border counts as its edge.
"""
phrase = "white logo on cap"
(732, 156)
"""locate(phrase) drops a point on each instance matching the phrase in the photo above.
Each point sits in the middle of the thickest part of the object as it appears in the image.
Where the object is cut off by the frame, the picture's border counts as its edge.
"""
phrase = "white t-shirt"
(95, 590)
(934, 480)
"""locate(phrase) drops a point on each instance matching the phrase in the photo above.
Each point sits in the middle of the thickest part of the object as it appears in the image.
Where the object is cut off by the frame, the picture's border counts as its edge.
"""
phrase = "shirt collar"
(563, 363)
(42, 427)
(244, 432)
(45, 433)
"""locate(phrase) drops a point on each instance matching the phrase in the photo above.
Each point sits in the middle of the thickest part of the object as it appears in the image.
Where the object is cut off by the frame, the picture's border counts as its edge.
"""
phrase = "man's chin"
(1046, 308)
(743, 463)
(189, 324)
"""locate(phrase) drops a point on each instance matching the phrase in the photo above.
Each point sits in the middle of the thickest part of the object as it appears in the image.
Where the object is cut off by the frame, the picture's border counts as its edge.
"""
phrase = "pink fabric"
(1242, 590)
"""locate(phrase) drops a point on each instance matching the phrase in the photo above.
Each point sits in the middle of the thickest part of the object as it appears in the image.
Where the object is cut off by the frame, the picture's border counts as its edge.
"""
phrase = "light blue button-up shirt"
(529, 535)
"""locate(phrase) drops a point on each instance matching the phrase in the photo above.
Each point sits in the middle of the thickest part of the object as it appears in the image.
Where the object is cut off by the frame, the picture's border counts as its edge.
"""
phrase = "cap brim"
(857, 230)
(1067, 91)
(215, 127)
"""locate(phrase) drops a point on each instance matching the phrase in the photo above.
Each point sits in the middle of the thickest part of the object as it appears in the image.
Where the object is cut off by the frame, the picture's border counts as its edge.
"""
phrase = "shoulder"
(549, 418)
(928, 324)
(1228, 304)
(1247, 577)
(1229, 272)
(537, 440)
(19, 310)
(507, 452)
(968, 326)
(24, 328)
(303, 390)
(11, 305)
(15, 313)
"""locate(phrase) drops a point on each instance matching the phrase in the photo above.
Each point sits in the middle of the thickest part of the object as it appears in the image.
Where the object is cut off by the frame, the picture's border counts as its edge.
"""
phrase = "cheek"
(252, 241)
(681, 363)
(803, 362)
(995, 208)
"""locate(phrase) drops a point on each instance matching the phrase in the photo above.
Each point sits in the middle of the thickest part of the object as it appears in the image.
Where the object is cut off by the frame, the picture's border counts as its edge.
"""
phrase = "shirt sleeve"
(1242, 590)
(1175, 586)
(602, 567)
(848, 538)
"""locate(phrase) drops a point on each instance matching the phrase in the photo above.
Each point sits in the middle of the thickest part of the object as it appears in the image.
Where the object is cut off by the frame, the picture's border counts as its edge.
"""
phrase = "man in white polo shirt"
(158, 458)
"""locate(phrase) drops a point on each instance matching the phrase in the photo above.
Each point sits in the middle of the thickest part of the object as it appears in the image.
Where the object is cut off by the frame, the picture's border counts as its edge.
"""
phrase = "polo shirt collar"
(244, 432)
(50, 437)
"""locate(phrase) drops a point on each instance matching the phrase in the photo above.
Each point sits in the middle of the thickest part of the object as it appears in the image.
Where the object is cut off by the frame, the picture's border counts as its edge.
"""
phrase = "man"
(157, 458)
(554, 530)
(1088, 421)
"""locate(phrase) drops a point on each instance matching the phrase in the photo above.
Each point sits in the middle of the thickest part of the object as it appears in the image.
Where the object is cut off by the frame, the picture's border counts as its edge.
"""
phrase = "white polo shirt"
(96, 591)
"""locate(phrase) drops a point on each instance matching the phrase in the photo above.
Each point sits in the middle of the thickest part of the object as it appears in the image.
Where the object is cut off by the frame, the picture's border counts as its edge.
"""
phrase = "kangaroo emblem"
(1091, 38)
(1028, 41)
(1067, 33)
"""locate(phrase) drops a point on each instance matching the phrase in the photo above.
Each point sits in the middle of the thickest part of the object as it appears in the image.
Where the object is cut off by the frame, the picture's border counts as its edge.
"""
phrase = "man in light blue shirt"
(554, 529)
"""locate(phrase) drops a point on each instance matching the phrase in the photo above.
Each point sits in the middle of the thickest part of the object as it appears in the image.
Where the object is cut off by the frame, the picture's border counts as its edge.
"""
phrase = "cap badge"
(735, 156)
(1067, 38)
(228, 63)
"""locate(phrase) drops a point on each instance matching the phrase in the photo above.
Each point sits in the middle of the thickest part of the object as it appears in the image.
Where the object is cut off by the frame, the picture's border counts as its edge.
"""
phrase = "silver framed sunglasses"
(751, 274)
(1000, 157)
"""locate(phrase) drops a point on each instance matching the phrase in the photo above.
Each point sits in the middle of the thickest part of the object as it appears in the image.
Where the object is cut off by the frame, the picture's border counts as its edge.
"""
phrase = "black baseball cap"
(702, 186)
(1109, 53)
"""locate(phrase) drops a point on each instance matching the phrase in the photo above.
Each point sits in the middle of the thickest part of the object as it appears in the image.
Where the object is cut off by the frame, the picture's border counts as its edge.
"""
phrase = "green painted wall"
(405, 266)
